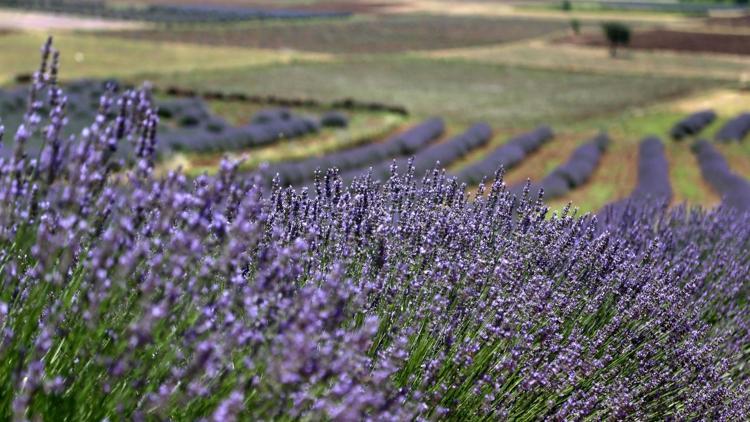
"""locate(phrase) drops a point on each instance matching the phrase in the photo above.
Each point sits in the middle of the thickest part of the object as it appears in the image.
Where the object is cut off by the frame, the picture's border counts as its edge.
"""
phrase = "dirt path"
(33, 21)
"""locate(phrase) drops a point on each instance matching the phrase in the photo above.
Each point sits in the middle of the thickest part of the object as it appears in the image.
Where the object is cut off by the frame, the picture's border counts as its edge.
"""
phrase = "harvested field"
(664, 39)
(735, 21)
(376, 35)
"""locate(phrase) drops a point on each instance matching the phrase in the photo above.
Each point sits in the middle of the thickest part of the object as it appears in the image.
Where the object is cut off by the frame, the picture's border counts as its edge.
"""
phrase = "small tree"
(575, 26)
(617, 34)
(566, 5)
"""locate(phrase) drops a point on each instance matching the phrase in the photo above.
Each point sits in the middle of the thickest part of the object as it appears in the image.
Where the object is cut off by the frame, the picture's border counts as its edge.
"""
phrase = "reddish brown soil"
(738, 21)
(662, 39)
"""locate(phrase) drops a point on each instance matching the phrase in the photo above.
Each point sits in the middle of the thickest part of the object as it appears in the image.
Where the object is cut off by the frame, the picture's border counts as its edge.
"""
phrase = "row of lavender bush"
(441, 154)
(127, 296)
(508, 155)
(193, 127)
(653, 186)
(573, 173)
(692, 124)
(203, 132)
(408, 142)
(736, 129)
(733, 189)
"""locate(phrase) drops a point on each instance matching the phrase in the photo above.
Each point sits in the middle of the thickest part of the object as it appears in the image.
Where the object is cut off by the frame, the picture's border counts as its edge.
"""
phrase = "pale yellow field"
(84, 55)
(36, 21)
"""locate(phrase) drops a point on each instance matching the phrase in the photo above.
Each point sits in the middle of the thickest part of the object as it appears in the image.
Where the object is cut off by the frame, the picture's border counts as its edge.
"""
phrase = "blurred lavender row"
(190, 127)
(408, 142)
(570, 175)
(692, 124)
(653, 172)
(735, 129)
(439, 155)
(733, 189)
(653, 188)
(203, 132)
(507, 155)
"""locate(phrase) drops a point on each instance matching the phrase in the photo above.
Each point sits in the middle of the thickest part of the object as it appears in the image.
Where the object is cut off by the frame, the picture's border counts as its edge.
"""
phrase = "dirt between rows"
(665, 39)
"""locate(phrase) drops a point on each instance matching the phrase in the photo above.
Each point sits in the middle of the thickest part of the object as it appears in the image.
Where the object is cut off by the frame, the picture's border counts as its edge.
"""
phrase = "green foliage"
(566, 5)
(617, 34)
(575, 25)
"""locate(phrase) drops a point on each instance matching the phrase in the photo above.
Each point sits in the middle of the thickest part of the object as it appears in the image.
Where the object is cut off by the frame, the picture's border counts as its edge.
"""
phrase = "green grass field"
(461, 91)
(364, 35)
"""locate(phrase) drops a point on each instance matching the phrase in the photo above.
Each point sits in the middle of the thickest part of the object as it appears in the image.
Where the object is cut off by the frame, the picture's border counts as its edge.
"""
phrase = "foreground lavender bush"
(129, 296)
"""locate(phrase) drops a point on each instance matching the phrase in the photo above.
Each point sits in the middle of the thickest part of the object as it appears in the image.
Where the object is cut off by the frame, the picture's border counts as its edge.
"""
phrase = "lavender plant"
(692, 125)
(735, 129)
(573, 173)
(127, 296)
(507, 155)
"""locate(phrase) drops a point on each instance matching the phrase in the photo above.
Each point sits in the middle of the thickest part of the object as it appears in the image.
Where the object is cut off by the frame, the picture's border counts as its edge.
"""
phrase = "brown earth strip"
(735, 21)
(665, 39)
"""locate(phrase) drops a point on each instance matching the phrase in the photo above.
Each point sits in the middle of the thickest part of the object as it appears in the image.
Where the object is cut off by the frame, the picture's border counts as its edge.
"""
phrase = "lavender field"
(198, 223)
(131, 296)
